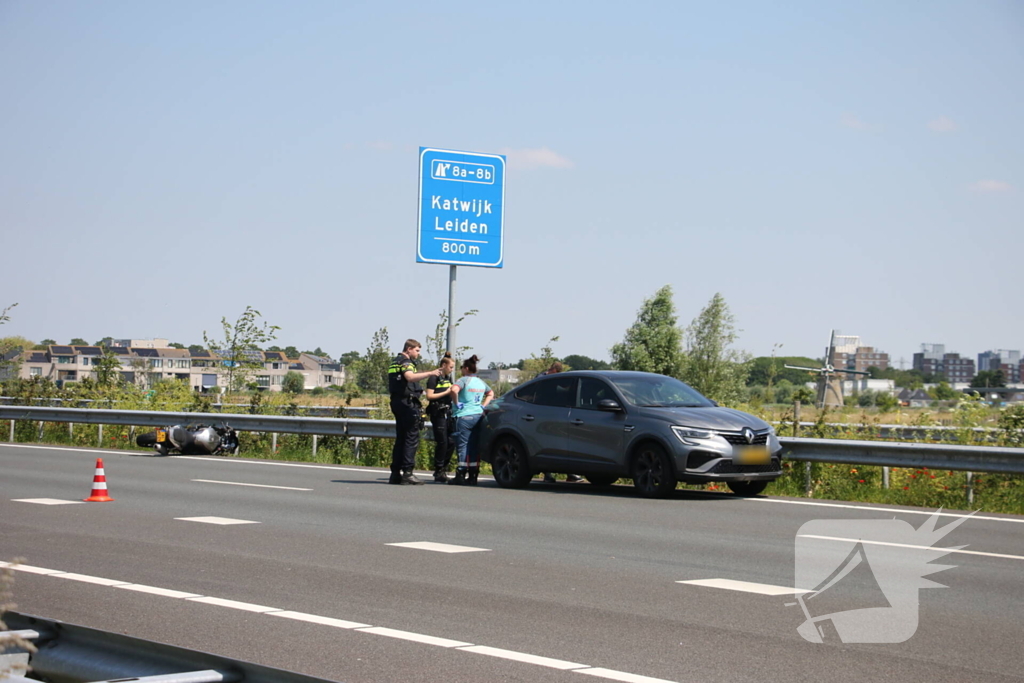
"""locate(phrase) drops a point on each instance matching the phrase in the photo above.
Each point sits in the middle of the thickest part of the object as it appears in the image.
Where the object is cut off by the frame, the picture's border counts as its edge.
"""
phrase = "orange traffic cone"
(99, 485)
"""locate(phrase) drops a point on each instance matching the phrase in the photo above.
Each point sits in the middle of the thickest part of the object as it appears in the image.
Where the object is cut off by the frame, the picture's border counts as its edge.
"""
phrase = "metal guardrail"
(906, 432)
(67, 652)
(317, 411)
(882, 453)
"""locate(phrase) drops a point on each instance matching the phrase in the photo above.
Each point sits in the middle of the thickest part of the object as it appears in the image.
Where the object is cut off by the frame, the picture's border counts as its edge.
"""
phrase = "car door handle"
(528, 418)
(578, 422)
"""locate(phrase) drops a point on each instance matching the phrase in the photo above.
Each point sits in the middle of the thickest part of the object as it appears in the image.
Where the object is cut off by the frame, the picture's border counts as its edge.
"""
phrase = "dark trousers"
(444, 439)
(407, 435)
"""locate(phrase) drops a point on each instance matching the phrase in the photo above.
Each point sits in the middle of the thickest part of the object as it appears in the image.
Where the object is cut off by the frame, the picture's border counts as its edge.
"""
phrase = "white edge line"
(914, 547)
(234, 604)
(560, 664)
(414, 637)
(85, 578)
(153, 590)
(262, 486)
(317, 619)
(881, 509)
(745, 586)
(614, 675)
(29, 569)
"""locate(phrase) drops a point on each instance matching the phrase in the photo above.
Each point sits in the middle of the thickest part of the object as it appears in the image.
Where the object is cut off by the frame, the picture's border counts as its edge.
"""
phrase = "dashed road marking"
(224, 521)
(915, 547)
(356, 627)
(881, 509)
(262, 486)
(47, 501)
(440, 547)
(745, 586)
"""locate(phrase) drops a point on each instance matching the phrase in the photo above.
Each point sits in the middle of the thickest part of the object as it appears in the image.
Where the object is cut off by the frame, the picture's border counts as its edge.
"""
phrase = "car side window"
(557, 391)
(527, 394)
(592, 391)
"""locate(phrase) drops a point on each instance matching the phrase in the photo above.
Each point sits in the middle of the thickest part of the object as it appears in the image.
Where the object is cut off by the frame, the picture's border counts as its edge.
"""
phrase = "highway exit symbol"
(461, 208)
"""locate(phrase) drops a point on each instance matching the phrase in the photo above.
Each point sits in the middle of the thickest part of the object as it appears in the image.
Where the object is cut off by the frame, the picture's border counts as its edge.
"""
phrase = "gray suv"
(608, 425)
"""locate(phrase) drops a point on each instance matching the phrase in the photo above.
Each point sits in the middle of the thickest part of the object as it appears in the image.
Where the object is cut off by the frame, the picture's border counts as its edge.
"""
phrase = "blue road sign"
(461, 216)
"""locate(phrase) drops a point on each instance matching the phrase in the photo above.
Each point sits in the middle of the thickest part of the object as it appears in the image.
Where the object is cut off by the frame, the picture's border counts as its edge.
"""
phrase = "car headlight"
(689, 434)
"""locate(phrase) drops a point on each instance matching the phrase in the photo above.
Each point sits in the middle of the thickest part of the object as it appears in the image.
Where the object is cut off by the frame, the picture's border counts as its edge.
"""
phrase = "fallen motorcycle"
(191, 440)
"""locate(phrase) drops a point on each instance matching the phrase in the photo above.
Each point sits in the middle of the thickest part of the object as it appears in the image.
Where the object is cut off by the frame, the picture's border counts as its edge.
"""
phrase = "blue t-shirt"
(471, 396)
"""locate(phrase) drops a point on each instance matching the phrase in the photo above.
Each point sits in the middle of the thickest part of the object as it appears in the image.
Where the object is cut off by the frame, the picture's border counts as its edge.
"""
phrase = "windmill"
(830, 387)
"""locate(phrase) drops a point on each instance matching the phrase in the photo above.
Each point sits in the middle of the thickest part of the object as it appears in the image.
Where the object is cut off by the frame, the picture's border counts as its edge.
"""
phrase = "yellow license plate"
(751, 455)
(161, 436)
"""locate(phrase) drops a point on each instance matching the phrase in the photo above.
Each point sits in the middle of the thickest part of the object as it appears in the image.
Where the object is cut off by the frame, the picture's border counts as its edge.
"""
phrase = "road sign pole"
(451, 310)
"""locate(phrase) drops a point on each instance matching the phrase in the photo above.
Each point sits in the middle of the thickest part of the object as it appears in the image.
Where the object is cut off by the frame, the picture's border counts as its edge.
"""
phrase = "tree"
(78, 341)
(240, 347)
(293, 382)
(437, 343)
(371, 372)
(654, 342)
(885, 401)
(578, 362)
(176, 345)
(760, 369)
(291, 352)
(349, 357)
(315, 352)
(9, 344)
(712, 368)
(534, 365)
(107, 367)
(944, 392)
(45, 344)
(989, 378)
(196, 348)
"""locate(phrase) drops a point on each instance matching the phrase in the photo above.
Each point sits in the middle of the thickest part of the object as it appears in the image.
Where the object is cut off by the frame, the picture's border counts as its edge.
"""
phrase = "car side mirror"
(609, 405)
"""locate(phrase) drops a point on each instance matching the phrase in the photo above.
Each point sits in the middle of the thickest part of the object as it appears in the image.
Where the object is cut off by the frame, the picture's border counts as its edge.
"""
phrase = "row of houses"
(146, 365)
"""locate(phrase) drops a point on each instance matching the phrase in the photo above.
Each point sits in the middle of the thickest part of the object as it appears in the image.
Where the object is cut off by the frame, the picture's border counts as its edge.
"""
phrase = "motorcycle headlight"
(690, 434)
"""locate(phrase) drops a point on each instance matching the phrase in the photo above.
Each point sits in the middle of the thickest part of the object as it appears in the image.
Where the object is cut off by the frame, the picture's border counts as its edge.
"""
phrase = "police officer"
(405, 390)
(439, 408)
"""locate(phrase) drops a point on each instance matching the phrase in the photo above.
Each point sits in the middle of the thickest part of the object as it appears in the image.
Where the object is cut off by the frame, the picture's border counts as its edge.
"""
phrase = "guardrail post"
(273, 442)
(100, 438)
(358, 440)
(808, 489)
(71, 430)
(12, 432)
(970, 488)
(796, 418)
(314, 445)
(40, 436)
(885, 477)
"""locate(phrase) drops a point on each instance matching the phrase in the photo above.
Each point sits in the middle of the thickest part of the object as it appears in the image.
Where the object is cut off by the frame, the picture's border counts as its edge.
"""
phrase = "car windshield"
(659, 391)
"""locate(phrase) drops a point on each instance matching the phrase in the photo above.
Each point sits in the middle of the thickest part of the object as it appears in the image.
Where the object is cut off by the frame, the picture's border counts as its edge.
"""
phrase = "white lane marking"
(336, 468)
(85, 578)
(523, 657)
(745, 586)
(262, 486)
(28, 569)
(440, 547)
(915, 547)
(153, 590)
(614, 675)
(215, 520)
(340, 623)
(234, 604)
(110, 451)
(46, 501)
(414, 637)
(315, 619)
(881, 509)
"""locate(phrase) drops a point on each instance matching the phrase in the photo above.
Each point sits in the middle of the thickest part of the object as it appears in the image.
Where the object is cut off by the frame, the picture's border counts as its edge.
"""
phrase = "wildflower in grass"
(853, 471)
(861, 480)
(932, 476)
(905, 488)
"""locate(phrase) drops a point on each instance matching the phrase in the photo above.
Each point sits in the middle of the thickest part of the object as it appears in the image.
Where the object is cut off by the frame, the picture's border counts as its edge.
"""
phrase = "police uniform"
(440, 412)
(405, 404)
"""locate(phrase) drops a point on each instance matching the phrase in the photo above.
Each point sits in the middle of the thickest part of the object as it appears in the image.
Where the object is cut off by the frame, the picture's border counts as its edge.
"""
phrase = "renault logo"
(748, 434)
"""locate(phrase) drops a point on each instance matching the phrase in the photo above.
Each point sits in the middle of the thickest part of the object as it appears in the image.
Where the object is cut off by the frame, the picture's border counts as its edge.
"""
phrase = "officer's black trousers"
(444, 440)
(407, 435)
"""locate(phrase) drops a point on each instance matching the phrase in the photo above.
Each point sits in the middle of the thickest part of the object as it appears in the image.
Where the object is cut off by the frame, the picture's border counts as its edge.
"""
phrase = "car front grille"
(728, 467)
(739, 440)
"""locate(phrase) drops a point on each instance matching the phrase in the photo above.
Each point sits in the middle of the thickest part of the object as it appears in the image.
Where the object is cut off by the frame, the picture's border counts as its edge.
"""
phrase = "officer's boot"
(440, 476)
(460, 477)
(408, 478)
(471, 479)
(396, 476)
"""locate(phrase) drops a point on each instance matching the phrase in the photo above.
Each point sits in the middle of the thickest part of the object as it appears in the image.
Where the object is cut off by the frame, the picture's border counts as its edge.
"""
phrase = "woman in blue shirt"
(472, 395)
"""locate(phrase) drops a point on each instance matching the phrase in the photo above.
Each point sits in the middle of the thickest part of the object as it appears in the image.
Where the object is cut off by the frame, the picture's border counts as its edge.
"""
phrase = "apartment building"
(202, 369)
(861, 358)
(1006, 360)
(933, 360)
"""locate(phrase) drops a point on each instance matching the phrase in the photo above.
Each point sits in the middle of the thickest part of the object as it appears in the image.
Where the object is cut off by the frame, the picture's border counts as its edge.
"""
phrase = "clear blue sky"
(849, 165)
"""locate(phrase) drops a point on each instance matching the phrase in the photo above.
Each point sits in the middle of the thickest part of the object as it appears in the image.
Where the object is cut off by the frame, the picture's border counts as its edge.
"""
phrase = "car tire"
(653, 475)
(747, 488)
(510, 464)
(601, 479)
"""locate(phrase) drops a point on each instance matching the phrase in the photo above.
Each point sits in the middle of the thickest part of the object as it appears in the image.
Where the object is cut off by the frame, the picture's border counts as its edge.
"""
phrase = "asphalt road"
(562, 580)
